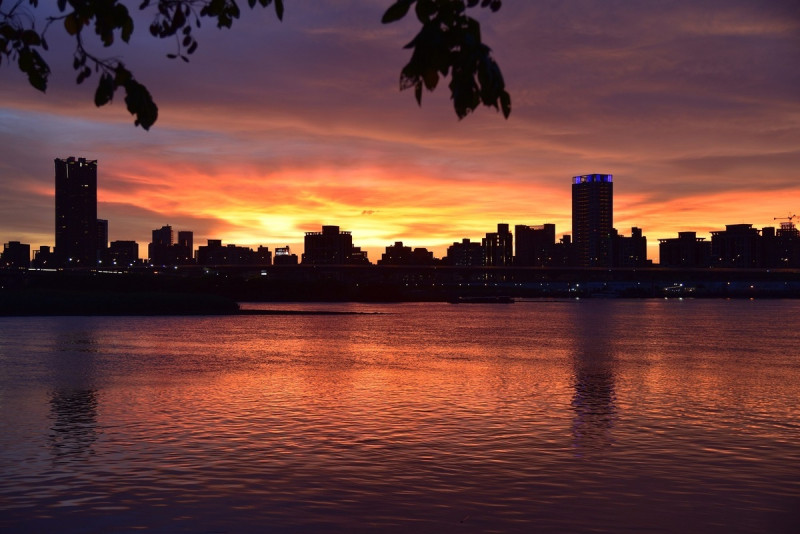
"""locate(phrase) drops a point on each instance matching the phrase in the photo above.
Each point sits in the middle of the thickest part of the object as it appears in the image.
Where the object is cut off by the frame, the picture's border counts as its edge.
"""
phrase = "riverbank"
(175, 291)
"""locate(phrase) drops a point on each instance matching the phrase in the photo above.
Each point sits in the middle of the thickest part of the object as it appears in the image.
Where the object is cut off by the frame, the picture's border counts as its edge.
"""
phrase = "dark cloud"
(751, 166)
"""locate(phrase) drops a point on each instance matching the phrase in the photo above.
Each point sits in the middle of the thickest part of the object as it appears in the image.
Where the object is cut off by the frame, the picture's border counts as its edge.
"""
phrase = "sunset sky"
(276, 128)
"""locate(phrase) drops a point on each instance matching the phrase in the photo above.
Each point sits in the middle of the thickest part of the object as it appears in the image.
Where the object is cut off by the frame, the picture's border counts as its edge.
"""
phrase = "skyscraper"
(76, 212)
(593, 219)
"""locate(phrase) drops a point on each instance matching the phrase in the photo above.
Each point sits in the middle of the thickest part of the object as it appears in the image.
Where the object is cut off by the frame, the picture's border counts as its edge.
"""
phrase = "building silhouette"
(102, 238)
(563, 253)
(782, 248)
(215, 253)
(629, 251)
(284, 256)
(742, 246)
(465, 254)
(76, 212)
(44, 258)
(593, 219)
(498, 247)
(686, 250)
(185, 247)
(739, 245)
(398, 254)
(262, 256)
(159, 248)
(123, 253)
(15, 255)
(534, 245)
(332, 247)
(162, 250)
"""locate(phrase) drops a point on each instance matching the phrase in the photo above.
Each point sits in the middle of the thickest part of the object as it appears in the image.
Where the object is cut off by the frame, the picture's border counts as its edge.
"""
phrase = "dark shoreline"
(39, 303)
(218, 291)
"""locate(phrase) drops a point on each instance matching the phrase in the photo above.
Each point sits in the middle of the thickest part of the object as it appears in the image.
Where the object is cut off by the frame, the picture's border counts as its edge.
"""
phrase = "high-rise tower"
(76, 212)
(593, 219)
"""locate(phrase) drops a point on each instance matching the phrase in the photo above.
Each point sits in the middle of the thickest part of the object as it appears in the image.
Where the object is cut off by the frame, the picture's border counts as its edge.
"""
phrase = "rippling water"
(590, 416)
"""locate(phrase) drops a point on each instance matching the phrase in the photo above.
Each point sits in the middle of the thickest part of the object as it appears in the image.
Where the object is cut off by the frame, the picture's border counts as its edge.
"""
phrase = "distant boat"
(482, 300)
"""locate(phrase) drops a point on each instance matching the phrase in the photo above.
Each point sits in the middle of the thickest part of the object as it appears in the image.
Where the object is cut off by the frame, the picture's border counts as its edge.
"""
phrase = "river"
(542, 416)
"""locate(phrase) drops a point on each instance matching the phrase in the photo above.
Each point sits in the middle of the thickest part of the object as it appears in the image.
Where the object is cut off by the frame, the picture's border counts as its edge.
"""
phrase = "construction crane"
(787, 226)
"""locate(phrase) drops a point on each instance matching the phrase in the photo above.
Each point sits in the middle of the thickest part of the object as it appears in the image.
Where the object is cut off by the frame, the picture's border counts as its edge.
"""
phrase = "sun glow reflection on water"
(591, 416)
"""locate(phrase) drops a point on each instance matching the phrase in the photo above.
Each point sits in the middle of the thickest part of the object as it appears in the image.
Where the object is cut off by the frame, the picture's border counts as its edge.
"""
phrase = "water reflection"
(595, 409)
(75, 398)
(564, 418)
(594, 400)
(74, 416)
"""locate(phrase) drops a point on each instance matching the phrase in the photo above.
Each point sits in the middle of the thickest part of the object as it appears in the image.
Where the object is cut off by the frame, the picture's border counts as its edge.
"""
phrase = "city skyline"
(82, 239)
(697, 121)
